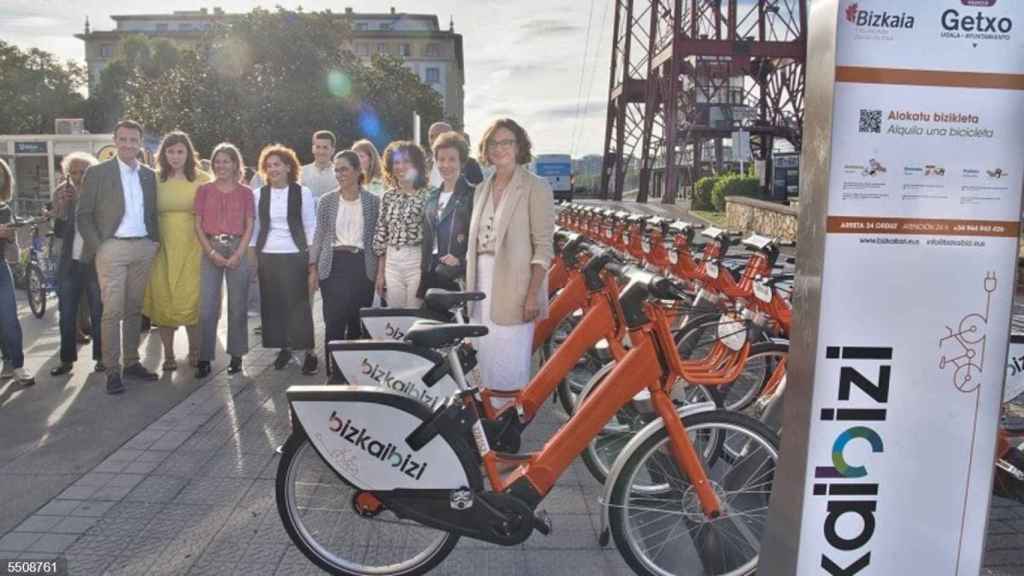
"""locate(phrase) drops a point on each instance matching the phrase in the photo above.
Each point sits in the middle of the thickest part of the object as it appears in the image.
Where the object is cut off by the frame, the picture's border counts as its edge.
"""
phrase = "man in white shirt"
(117, 219)
(319, 176)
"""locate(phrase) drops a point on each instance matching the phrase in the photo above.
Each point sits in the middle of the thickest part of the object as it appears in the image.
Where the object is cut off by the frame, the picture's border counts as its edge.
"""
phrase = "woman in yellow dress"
(172, 296)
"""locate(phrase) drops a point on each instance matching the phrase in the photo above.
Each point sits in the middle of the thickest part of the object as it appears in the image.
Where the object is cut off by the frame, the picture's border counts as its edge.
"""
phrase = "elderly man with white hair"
(436, 129)
(74, 277)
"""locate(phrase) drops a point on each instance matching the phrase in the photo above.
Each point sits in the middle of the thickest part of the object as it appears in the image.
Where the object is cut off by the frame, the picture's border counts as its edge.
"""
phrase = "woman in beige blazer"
(510, 249)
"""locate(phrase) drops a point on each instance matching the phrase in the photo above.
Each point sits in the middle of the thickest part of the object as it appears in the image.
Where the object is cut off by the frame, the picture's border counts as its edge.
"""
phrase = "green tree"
(393, 92)
(140, 60)
(36, 88)
(278, 77)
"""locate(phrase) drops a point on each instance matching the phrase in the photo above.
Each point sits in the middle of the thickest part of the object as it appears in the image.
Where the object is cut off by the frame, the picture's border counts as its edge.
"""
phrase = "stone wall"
(765, 218)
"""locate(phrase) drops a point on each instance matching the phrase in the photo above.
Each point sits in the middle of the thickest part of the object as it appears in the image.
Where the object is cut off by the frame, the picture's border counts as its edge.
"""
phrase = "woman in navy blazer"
(446, 217)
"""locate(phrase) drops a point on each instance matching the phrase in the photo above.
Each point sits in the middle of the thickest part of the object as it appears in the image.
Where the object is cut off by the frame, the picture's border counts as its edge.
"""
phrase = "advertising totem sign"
(911, 181)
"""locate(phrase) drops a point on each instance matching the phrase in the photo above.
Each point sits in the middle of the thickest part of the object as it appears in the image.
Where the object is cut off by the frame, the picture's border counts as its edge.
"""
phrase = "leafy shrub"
(702, 193)
(734, 185)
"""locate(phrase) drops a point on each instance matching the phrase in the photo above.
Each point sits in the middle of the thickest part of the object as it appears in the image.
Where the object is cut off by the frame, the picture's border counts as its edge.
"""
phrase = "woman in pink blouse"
(224, 219)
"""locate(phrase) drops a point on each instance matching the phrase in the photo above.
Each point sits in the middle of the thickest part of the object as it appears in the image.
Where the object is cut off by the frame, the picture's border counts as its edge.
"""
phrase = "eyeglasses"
(501, 143)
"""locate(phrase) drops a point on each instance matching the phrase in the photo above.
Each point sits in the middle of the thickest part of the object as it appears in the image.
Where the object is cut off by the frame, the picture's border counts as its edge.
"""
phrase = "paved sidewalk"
(193, 493)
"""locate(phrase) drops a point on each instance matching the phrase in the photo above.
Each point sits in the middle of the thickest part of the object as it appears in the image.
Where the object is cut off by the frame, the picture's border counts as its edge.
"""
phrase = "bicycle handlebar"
(780, 278)
(25, 223)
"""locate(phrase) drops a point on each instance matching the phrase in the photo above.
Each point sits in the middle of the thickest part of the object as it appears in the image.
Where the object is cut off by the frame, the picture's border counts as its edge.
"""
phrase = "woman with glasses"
(510, 249)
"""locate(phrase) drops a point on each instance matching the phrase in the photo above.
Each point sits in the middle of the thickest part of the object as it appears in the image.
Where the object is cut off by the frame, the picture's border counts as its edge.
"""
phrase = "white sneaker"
(8, 371)
(24, 377)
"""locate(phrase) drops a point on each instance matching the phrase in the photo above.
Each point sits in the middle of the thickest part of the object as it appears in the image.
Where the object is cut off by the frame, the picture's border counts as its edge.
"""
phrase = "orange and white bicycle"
(372, 482)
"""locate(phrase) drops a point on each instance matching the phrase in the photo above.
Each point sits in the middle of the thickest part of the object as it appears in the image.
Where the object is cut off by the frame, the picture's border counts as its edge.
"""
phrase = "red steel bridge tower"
(686, 75)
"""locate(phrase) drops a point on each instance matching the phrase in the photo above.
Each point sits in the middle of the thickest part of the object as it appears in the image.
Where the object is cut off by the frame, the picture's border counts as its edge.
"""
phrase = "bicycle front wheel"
(603, 449)
(35, 288)
(318, 509)
(657, 520)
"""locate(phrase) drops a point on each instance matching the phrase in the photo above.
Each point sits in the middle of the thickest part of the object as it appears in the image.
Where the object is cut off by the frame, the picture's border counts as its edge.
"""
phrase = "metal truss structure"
(686, 74)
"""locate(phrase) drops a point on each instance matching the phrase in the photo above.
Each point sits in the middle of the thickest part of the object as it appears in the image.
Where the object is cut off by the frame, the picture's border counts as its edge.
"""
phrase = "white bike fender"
(644, 433)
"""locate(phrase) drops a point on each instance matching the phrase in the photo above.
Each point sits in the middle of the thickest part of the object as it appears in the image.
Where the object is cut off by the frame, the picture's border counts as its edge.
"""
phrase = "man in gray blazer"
(117, 219)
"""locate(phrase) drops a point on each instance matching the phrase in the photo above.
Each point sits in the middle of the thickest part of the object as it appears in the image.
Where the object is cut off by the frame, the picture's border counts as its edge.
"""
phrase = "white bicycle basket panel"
(389, 327)
(394, 370)
(1014, 386)
(365, 443)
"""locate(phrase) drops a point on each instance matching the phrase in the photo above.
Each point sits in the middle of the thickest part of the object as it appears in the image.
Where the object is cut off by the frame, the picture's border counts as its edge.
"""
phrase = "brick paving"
(193, 493)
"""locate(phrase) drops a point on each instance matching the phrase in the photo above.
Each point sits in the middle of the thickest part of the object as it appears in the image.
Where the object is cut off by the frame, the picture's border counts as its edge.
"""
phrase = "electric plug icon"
(990, 282)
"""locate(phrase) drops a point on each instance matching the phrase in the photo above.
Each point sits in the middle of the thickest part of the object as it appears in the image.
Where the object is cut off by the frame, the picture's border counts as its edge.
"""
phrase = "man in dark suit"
(75, 277)
(117, 219)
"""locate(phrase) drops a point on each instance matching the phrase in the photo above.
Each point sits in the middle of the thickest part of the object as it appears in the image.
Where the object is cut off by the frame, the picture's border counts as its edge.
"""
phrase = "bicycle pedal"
(542, 522)
(1010, 469)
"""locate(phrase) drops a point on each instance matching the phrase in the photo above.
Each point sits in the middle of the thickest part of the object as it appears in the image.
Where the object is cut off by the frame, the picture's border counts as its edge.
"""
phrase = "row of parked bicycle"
(668, 356)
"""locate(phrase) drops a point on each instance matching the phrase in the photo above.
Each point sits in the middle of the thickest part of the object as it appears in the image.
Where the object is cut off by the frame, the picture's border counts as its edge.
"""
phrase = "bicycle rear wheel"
(35, 288)
(317, 508)
(660, 528)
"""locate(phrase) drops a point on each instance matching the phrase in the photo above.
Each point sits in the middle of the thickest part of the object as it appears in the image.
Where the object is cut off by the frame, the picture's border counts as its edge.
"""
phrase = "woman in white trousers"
(400, 225)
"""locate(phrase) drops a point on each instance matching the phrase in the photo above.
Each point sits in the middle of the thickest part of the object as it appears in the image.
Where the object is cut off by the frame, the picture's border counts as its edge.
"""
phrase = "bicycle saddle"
(430, 334)
(439, 299)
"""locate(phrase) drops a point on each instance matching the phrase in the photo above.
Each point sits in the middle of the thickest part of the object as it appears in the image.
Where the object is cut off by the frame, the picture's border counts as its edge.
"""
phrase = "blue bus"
(557, 168)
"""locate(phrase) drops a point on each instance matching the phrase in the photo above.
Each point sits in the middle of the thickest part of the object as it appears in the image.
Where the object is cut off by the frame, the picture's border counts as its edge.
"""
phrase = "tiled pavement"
(193, 493)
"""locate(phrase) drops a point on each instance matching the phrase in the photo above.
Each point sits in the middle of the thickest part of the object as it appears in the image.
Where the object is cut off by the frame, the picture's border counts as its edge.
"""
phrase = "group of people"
(164, 243)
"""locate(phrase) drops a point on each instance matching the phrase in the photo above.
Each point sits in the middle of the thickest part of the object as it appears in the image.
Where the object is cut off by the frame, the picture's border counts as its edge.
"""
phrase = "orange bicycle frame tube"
(558, 276)
(598, 323)
(572, 297)
(775, 379)
(641, 368)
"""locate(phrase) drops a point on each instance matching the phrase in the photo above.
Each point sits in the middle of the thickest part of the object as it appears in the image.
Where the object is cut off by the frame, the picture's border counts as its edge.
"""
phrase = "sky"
(532, 60)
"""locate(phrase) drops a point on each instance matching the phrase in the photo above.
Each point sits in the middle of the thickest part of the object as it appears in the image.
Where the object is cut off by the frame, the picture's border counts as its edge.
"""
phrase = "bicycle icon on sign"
(970, 336)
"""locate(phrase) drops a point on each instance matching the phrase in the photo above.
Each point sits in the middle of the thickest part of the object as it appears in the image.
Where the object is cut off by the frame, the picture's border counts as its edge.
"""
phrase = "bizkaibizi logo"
(384, 451)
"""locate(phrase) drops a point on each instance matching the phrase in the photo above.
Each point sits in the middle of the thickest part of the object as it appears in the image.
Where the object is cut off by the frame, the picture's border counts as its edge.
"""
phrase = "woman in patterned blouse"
(400, 225)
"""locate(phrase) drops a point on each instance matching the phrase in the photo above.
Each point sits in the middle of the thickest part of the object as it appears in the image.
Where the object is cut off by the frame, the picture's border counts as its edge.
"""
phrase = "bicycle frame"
(643, 367)
(571, 298)
(601, 321)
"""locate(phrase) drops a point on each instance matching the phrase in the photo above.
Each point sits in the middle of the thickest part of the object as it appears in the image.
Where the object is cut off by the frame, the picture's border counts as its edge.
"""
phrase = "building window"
(106, 51)
(184, 26)
(361, 26)
(382, 48)
(406, 50)
(433, 51)
(385, 26)
(161, 27)
(433, 75)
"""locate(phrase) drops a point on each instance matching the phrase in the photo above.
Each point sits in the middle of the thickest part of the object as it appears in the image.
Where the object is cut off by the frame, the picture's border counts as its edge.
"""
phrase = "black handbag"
(451, 273)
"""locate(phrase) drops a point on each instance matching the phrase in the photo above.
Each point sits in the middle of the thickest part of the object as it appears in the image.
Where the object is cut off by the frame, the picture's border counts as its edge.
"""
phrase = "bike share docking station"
(909, 232)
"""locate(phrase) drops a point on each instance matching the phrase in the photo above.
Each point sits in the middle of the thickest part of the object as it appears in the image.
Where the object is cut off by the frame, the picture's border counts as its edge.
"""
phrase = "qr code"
(871, 121)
